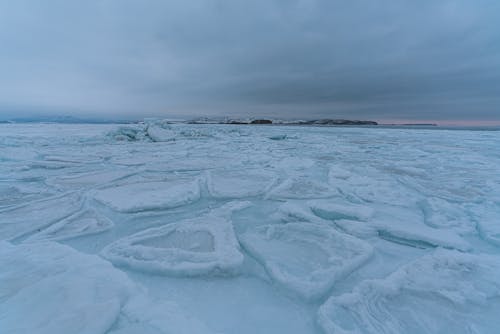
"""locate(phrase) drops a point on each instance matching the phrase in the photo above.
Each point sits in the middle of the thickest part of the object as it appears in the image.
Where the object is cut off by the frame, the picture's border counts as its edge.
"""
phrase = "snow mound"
(23, 220)
(199, 246)
(80, 224)
(306, 258)
(51, 288)
(136, 197)
(239, 183)
(443, 292)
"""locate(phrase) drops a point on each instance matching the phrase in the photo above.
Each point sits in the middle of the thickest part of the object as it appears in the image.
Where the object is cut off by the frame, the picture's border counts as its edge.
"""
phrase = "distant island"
(284, 122)
(412, 124)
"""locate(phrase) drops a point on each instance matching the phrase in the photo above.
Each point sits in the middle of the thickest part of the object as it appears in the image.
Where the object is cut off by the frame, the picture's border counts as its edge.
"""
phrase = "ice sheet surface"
(172, 228)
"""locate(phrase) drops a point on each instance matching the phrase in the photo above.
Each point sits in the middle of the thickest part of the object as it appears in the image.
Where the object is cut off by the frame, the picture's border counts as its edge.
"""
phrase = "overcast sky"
(382, 60)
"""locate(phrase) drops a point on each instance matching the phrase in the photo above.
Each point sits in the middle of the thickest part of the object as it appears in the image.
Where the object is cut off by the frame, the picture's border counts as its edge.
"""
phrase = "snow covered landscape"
(157, 228)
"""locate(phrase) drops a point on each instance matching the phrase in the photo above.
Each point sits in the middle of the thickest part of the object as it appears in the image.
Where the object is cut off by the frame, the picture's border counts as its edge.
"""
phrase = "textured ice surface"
(203, 245)
(143, 196)
(239, 183)
(306, 258)
(49, 288)
(80, 224)
(364, 221)
(33, 216)
(444, 292)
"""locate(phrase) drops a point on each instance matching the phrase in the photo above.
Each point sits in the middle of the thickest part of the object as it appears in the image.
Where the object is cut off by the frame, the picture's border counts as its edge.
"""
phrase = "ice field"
(157, 228)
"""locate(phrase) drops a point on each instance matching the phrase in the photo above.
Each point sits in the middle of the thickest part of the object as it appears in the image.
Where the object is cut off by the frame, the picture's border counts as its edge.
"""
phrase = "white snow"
(175, 228)
(49, 288)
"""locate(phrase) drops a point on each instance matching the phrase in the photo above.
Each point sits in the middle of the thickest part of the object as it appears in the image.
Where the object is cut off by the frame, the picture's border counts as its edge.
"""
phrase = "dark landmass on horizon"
(285, 122)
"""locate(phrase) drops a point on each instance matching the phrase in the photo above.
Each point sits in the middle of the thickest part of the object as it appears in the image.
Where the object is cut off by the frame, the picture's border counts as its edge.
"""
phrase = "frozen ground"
(248, 229)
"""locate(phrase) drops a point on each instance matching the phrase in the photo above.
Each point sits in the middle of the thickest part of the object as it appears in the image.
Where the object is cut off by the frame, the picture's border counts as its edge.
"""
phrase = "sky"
(402, 60)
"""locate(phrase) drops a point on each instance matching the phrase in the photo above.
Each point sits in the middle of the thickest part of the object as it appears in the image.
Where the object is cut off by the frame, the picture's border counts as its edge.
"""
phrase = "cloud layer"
(283, 58)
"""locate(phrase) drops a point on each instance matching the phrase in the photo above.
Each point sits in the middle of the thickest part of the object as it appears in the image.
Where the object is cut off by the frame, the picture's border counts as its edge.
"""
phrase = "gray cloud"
(303, 58)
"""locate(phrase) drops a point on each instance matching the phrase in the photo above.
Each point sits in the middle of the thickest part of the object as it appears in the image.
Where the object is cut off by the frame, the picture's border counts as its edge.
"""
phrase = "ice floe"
(239, 183)
(443, 292)
(25, 219)
(306, 258)
(80, 224)
(198, 246)
(391, 223)
(135, 197)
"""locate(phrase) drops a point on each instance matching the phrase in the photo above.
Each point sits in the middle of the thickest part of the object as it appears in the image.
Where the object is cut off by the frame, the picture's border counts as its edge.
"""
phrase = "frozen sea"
(157, 228)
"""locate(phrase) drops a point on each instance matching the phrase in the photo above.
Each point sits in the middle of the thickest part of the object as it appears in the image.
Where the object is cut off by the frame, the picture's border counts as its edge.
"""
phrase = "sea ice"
(28, 218)
(136, 197)
(443, 292)
(239, 183)
(197, 246)
(160, 132)
(47, 288)
(86, 179)
(156, 198)
(306, 258)
(80, 224)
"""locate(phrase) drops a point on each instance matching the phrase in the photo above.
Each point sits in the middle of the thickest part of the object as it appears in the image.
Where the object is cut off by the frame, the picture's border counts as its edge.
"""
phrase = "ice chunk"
(335, 209)
(239, 183)
(306, 258)
(443, 292)
(80, 224)
(50, 288)
(406, 226)
(199, 246)
(25, 219)
(136, 197)
(391, 223)
(159, 132)
(129, 133)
